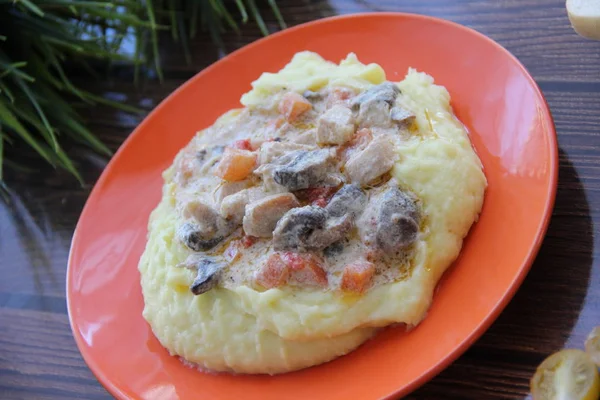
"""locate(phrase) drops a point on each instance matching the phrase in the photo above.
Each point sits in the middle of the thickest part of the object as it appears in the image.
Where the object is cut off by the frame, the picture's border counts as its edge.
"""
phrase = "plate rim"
(485, 323)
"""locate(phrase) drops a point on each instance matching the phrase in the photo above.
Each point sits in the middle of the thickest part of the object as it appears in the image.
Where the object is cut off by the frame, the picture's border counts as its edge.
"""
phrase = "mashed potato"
(245, 330)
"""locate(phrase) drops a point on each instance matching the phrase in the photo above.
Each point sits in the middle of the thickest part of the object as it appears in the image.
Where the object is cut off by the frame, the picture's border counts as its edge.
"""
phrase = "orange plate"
(511, 129)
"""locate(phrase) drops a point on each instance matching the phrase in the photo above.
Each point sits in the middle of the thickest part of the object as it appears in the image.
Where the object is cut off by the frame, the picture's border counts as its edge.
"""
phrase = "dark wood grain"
(557, 306)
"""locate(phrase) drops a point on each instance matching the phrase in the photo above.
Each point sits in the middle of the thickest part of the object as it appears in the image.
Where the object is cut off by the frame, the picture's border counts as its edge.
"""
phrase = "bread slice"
(585, 17)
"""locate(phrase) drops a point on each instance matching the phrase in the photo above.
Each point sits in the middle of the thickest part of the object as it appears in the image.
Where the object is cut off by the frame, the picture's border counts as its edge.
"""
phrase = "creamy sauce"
(196, 180)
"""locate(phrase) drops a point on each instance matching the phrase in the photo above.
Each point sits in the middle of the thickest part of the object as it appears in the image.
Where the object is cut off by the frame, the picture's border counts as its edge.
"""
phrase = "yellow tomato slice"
(566, 375)
(592, 345)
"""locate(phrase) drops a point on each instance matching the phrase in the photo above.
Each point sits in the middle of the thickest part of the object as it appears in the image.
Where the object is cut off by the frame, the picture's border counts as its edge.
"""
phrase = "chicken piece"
(227, 189)
(398, 220)
(261, 216)
(293, 105)
(269, 151)
(233, 207)
(402, 117)
(374, 105)
(357, 143)
(308, 137)
(204, 229)
(375, 160)
(236, 164)
(335, 126)
(357, 276)
(305, 169)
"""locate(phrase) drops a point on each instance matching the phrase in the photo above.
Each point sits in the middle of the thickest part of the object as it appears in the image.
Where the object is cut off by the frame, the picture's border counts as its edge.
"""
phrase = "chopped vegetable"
(357, 276)
(568, 374)
(248, 241)
(293, 105)
(243, 144)
(274, 273)
(305, 269)
(236, 164)
(281, 268)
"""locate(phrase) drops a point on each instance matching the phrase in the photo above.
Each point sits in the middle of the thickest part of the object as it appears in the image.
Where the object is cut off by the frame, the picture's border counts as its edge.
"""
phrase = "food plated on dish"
(293, 228)
(510, 127)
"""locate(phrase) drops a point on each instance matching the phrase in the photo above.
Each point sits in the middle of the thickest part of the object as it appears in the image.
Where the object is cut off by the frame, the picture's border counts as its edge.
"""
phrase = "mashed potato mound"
(280, 330)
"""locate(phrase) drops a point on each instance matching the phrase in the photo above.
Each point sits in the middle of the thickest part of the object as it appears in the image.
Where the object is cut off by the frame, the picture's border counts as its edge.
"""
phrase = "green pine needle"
(40, 38)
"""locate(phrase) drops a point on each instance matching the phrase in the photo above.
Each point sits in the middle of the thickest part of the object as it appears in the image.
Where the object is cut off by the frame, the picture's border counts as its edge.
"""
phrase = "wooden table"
(556, 307)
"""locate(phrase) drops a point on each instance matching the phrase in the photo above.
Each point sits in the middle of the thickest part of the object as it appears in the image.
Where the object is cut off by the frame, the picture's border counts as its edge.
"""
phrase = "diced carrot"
(293, 105)
(235, 164)
(305, 269)
(357, 276)
(274, 273)
(243, 144)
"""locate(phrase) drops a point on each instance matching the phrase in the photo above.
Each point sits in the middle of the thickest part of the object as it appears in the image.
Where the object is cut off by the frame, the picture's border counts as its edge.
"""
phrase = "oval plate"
(511, 129)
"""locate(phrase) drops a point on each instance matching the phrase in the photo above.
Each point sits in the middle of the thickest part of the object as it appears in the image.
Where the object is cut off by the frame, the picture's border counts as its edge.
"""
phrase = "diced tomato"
(236, 164)
(305, 269)
(302, 269)
(243, 144)
(248, 241)
(357, 276)
(293, 105)
(274, 273)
